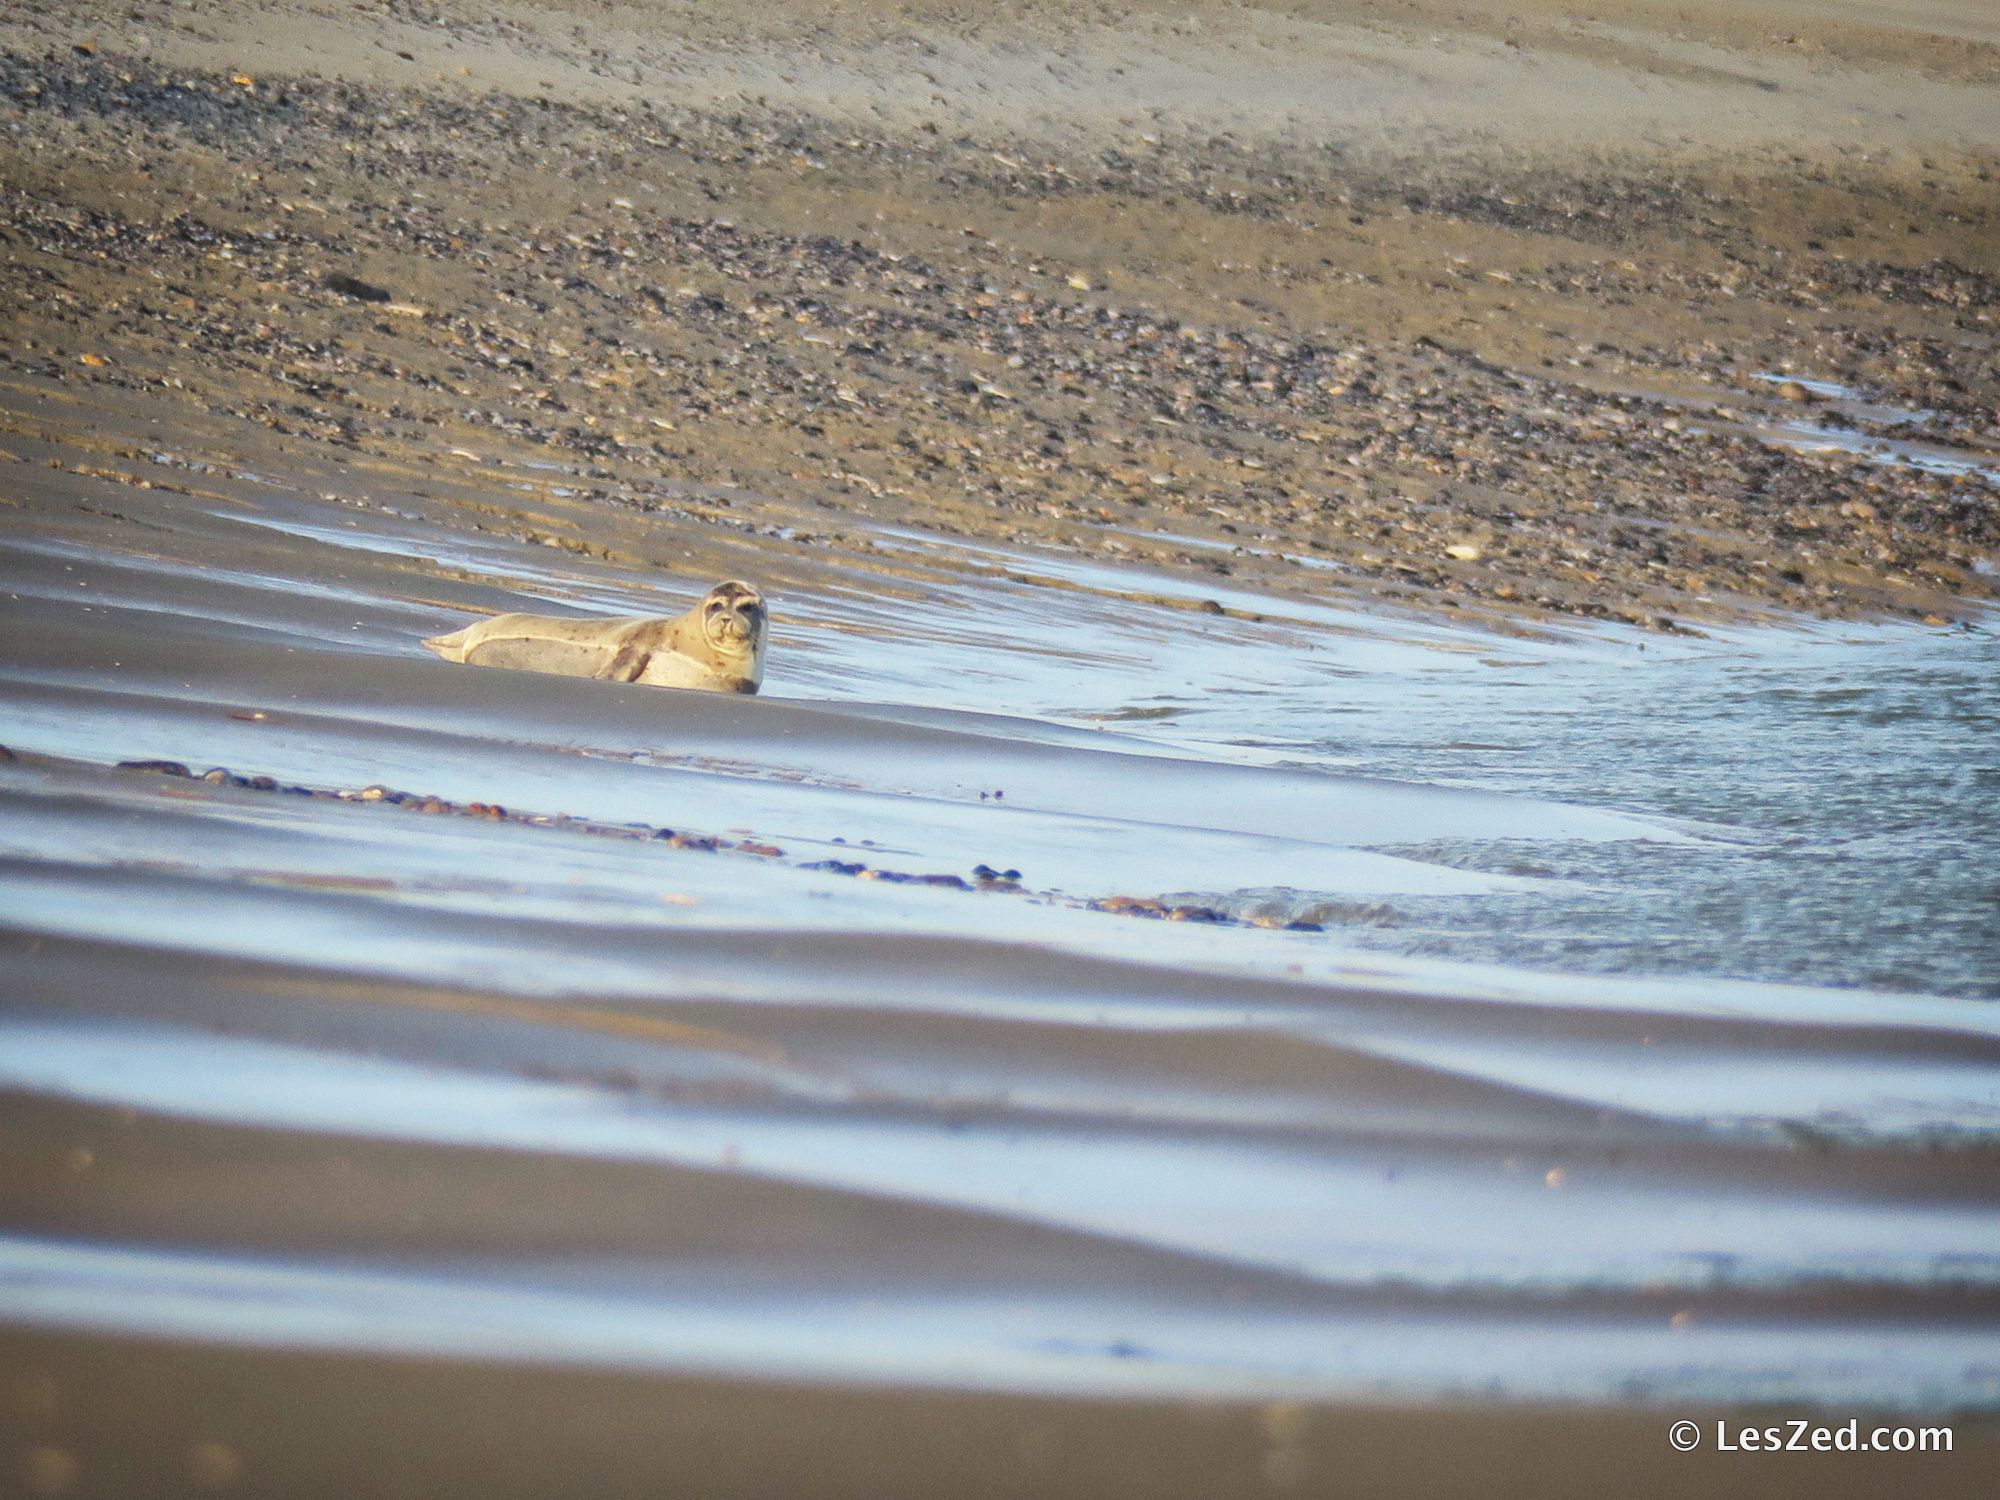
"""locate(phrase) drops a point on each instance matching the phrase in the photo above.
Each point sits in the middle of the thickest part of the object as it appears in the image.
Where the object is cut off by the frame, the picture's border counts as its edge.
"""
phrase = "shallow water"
(1500, 1127)
(1853, 775)
(1838, 779)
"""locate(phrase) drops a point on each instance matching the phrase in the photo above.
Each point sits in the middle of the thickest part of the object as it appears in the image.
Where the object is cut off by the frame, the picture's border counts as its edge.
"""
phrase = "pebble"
(356, 288)
(160, 767)
(1365, 448)
(1143, 906)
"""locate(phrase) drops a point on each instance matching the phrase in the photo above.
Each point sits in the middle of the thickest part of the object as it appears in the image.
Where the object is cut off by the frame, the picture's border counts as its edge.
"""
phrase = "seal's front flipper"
(630, 663)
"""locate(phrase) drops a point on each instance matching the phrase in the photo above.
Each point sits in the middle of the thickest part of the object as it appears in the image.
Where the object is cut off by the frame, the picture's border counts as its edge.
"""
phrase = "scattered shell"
(1130, 906)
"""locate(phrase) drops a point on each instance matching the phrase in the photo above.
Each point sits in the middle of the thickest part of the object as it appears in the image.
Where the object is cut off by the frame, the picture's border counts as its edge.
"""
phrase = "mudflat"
(1362, 865)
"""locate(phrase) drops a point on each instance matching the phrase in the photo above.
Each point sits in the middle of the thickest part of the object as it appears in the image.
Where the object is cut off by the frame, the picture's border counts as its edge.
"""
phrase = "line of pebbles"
(984, 877)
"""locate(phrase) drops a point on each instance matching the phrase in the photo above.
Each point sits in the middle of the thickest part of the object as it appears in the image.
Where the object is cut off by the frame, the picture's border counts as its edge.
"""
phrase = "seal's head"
(733, 625)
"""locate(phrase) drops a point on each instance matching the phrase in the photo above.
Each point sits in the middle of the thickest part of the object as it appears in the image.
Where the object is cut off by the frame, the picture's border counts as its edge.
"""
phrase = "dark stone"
(355, 287)
(835, 866)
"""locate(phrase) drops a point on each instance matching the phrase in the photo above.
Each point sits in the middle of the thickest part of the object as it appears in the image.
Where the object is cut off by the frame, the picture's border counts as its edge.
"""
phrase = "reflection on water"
(384, 1076)
(1852, 774)
(1841, 777)
(1844, 414)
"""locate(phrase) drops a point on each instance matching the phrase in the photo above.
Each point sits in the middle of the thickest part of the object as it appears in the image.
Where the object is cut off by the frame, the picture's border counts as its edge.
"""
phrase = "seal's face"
(733, 620)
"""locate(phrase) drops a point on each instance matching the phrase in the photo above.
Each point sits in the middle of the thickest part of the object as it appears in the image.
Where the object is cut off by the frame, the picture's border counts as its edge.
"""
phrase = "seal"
(717, 646)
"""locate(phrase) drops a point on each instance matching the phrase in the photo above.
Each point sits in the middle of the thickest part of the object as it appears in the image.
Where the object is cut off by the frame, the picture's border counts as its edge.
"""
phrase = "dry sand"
(420, 1080)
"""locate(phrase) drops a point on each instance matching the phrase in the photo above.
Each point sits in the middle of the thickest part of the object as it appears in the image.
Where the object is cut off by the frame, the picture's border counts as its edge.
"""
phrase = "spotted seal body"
(718, 645)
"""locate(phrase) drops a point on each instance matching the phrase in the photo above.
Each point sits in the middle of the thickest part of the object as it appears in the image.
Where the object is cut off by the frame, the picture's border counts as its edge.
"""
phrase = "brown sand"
(1473, 304)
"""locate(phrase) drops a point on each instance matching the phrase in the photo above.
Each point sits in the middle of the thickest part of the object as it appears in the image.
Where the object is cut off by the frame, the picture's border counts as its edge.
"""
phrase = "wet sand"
(463, 1078)
(976, 1065)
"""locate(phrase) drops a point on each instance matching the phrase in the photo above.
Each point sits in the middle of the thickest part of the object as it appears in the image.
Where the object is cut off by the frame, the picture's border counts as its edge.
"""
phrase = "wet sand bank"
(403, 1426)
(405, 1038)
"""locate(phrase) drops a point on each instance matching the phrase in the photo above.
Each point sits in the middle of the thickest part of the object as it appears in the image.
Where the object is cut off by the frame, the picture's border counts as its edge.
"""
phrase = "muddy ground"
(1503, 313)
